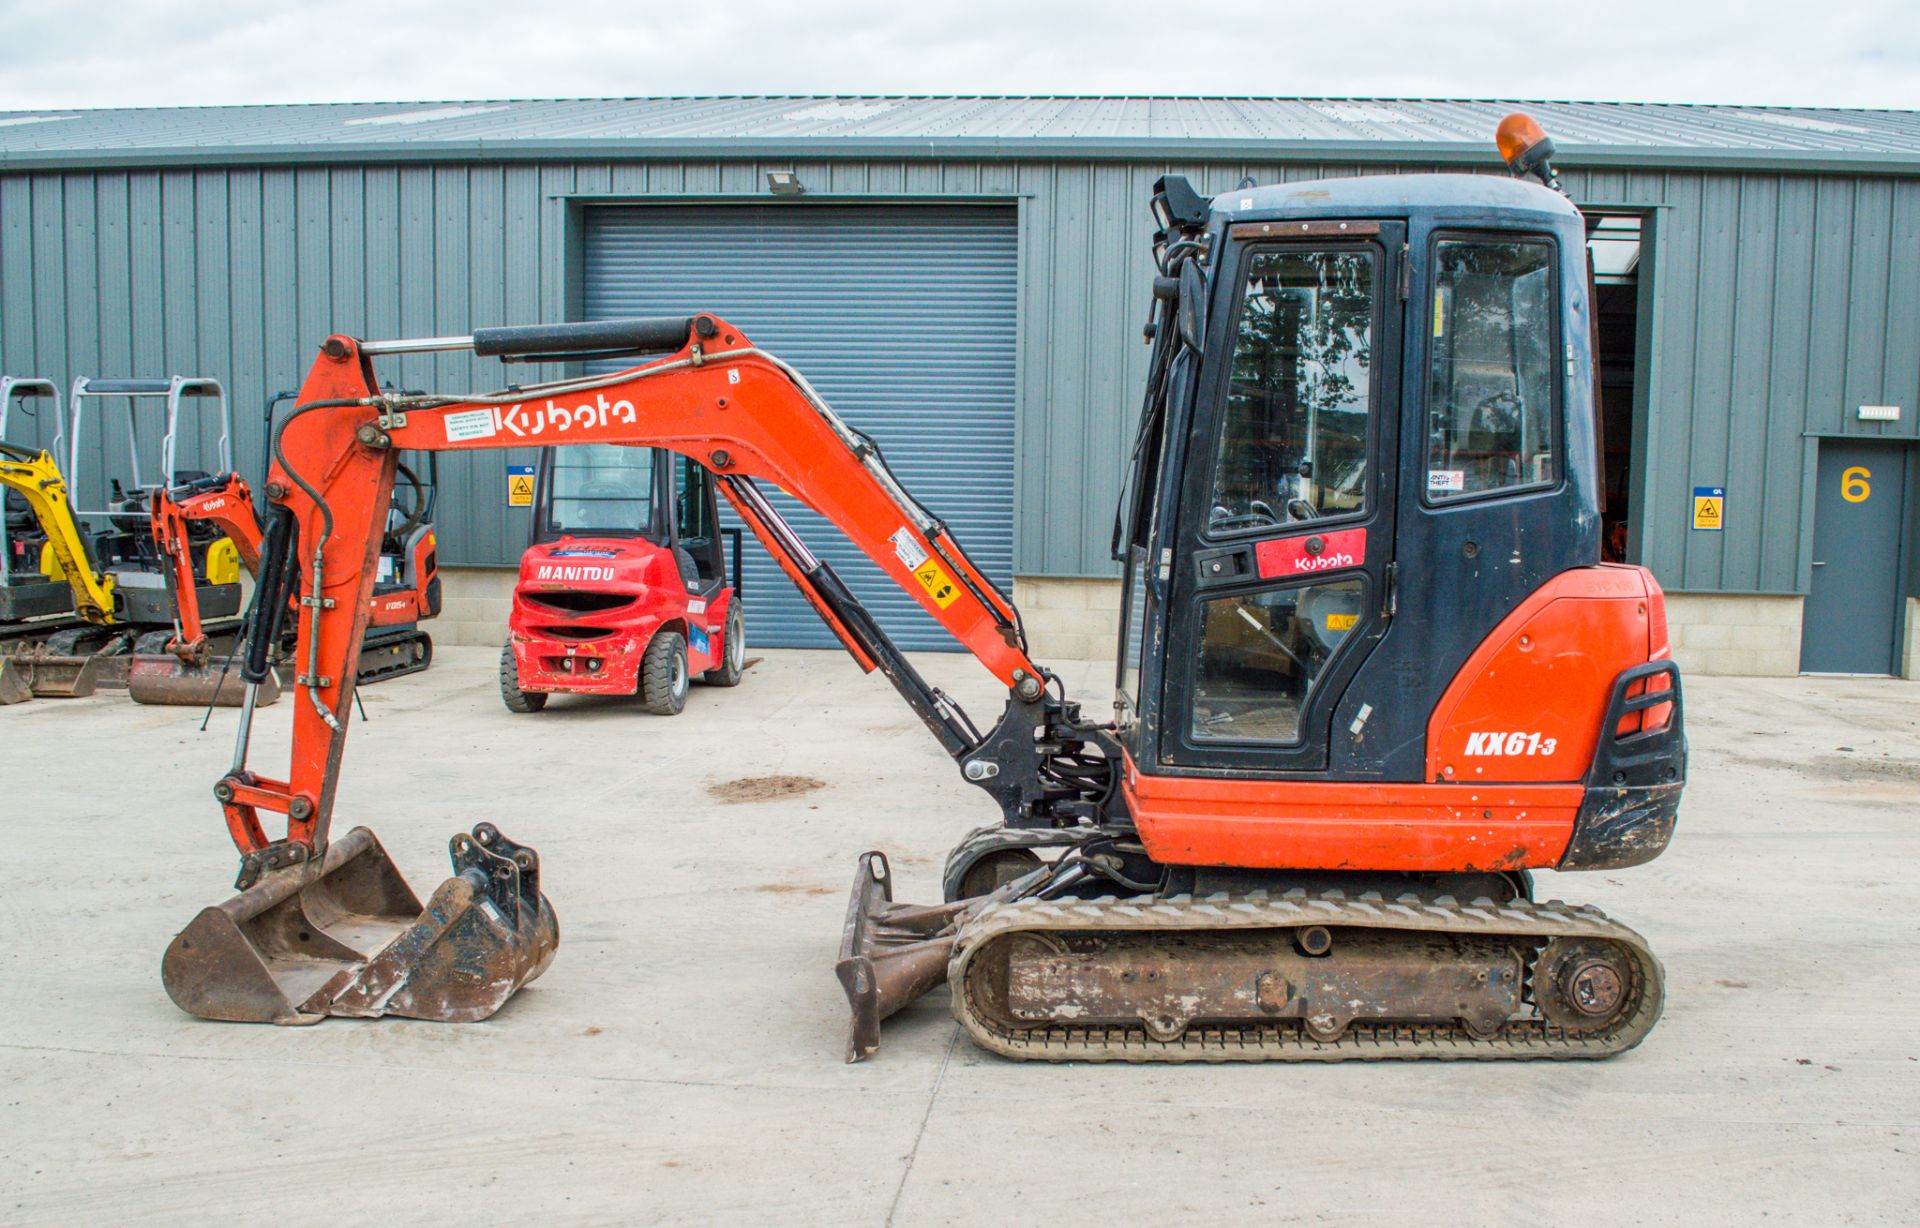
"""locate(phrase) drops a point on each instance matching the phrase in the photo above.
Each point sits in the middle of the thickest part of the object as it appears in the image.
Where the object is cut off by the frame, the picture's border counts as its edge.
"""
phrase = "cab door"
(1282, 569)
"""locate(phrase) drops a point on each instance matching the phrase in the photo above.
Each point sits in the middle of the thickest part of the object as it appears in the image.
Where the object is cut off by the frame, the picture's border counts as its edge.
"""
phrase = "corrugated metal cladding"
(1780, 302)
(903, 318)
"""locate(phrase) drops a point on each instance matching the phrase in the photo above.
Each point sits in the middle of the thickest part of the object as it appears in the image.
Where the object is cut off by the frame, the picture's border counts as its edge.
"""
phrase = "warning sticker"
(519, 485)
(470, 424)
(1446, 479)
(937, 583)
(1709, 508)
(1341, 622)
(908, 549)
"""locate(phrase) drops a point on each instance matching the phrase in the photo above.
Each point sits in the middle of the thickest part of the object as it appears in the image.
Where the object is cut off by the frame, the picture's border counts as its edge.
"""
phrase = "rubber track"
(995, 837)
(1285, 1040)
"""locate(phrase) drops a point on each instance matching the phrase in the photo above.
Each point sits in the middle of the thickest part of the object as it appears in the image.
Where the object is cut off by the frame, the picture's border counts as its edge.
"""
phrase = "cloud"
(157, 53)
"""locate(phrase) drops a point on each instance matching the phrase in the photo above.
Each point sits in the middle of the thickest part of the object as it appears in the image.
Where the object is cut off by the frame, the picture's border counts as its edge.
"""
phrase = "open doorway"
(1614, 243)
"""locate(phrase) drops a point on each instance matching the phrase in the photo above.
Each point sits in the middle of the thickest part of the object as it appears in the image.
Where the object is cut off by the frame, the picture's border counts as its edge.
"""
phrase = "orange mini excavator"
(1372, 671)
(180, 667)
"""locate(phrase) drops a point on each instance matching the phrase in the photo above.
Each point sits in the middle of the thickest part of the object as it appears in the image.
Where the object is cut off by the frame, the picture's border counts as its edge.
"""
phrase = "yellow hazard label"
(938, 584)
(519, 490)
(1341, 622)
(1707, 511)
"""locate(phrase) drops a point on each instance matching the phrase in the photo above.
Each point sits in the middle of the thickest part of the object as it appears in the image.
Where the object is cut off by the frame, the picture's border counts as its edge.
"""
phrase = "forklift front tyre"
(663, 674)
(733, 649)
(511, 695)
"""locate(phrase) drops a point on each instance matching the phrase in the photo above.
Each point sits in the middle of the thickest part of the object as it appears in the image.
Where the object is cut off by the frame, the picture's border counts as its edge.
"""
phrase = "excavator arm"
(740, 411)
(37, 478)
(222, 500)
(324, 927)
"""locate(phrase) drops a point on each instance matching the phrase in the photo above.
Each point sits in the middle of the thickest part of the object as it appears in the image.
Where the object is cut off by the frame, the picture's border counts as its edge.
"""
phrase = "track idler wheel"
(347, 936)
(1583, 985)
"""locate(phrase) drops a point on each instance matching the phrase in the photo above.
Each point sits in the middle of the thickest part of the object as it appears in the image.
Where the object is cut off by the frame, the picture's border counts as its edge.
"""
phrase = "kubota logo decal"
(519, 420)
(1509, 744)
(571, 572)
(1306, 554)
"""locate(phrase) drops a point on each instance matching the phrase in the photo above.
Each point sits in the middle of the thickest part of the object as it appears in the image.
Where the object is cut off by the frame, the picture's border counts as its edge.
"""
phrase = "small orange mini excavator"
(181, 667)
(1371, 673)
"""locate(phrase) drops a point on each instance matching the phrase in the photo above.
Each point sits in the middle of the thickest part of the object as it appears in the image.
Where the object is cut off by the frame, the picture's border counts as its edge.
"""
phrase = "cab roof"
(1376, 194)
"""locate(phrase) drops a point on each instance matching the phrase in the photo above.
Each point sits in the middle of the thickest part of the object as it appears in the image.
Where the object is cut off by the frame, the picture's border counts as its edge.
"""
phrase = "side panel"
(1486, 805)
(1327, 825)
(1530, 702)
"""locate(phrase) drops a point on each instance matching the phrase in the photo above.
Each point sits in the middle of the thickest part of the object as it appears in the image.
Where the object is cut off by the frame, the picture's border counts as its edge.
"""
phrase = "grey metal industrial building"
(966, 277)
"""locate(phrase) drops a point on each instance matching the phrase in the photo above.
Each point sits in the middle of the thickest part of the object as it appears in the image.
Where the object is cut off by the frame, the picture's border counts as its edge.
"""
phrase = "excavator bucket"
(162, 678)
(890, 954)
(347, 936)
(16, 684)
(63, 677)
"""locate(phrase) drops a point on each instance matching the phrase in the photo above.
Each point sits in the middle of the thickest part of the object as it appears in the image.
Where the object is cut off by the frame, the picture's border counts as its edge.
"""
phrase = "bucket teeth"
(346, 936)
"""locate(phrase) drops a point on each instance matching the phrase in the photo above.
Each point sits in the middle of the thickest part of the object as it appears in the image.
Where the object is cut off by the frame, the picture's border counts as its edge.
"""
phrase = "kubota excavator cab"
(624, 589)
(1367, 472)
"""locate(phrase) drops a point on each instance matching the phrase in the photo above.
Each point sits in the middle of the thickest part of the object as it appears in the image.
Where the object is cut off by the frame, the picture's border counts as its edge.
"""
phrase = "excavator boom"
(715, 397)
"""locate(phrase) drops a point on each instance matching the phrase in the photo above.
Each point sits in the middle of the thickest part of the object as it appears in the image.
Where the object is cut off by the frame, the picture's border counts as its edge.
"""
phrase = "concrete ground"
(681, 1061)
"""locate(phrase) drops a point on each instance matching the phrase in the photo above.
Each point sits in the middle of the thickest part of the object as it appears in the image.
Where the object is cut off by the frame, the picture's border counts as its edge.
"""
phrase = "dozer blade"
(16, 684)
(347, 936)
(890, 954)
(162, 678)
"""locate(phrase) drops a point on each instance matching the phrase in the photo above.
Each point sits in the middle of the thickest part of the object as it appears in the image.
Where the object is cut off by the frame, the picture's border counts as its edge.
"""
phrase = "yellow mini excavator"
(47, 577)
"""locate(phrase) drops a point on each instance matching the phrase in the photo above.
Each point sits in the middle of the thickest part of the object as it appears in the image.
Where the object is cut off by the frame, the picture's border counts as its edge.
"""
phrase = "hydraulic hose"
(269, 594)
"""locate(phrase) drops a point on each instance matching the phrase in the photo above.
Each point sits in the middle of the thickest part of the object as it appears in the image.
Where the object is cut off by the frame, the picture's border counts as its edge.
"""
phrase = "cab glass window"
(1490, 418)
(602, 488)
(1294, 444)
(1260, 655)
(690, 502)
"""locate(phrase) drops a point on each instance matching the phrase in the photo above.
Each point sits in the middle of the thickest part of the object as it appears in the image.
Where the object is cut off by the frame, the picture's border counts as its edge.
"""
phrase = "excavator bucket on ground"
(162, 678)
(16, 685)
(51, 676)
(346, 936)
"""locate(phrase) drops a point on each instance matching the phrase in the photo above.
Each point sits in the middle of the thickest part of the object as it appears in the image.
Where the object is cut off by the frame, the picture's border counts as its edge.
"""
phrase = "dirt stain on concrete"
(763, 788)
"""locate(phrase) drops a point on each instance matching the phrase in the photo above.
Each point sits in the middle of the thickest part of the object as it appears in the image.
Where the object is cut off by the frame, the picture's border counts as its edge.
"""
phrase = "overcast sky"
(80, 53)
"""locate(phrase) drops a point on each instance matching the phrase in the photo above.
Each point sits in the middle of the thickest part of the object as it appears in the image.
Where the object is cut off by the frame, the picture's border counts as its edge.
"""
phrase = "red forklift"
(625, 588)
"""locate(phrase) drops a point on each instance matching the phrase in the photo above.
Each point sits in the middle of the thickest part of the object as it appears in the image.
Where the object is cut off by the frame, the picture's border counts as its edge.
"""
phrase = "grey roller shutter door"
(902, 316)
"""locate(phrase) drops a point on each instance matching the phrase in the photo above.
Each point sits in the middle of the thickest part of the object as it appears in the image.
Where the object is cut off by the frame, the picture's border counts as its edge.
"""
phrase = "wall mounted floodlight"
(784, 183)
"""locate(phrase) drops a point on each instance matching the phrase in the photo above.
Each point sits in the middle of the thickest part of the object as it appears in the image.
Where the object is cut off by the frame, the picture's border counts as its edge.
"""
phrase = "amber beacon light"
(1526, 148)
